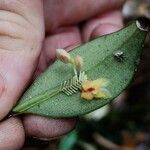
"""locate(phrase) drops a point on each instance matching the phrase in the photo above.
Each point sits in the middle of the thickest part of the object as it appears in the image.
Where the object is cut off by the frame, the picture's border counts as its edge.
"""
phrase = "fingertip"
(103, 29)
(102, 24)
(45, 128)
(11, 134)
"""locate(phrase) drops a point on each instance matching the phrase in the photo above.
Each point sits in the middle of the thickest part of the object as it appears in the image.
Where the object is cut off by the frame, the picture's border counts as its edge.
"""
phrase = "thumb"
(21, 36)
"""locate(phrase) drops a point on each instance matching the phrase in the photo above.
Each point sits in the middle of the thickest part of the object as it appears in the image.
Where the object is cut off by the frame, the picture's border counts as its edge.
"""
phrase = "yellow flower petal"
(103, 93)
(87, 96)
(95, 91)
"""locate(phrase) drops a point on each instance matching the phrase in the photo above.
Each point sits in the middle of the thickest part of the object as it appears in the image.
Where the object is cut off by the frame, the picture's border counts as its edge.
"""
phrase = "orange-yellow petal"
(99, 83)
(87, 96)
(96, 84)
(86, 85)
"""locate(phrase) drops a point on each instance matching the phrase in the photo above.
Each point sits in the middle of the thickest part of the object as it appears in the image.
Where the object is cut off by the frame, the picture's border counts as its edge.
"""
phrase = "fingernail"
(47, 139)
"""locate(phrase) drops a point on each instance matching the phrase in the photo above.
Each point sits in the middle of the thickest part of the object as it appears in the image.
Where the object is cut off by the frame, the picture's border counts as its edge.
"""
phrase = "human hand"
(25, 52)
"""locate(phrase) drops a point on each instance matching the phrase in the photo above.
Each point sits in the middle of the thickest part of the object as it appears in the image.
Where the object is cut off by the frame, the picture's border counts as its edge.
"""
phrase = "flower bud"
(63, 56)
(78, 62)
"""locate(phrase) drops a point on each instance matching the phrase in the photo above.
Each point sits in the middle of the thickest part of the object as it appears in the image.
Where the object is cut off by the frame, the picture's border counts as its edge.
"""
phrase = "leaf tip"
(143, 24)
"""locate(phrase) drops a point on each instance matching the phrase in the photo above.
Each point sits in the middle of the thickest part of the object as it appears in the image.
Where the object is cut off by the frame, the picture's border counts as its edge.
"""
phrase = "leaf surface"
(101, 60)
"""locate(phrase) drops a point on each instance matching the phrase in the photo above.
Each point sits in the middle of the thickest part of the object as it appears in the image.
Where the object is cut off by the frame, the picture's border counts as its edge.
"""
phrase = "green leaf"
(113, 57)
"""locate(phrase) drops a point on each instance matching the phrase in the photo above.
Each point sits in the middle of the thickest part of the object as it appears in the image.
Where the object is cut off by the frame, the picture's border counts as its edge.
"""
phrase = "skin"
(30, 31)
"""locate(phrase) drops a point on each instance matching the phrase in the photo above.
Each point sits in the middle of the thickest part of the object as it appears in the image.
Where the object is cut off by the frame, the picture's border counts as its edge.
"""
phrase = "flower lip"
(91, 89)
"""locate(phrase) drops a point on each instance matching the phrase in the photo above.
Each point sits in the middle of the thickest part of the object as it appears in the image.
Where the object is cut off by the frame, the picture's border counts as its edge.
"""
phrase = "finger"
(45, 128)
(21, 35)
(65, 37)
(11, 134)
(71, 12)
(101, 25)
